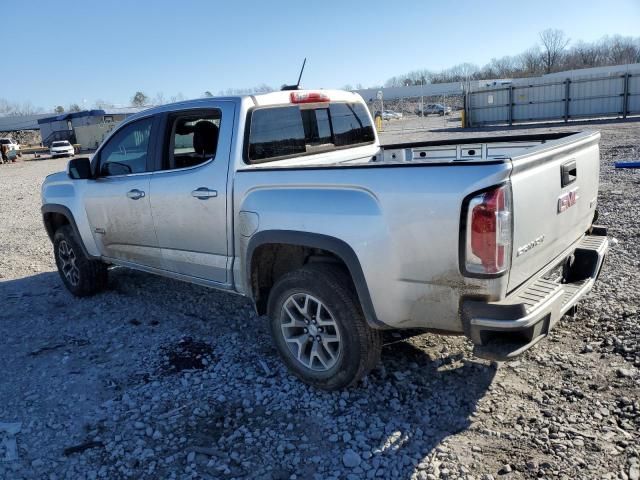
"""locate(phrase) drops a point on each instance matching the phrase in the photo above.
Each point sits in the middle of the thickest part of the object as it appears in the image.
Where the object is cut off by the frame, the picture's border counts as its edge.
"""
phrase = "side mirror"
(79, 168)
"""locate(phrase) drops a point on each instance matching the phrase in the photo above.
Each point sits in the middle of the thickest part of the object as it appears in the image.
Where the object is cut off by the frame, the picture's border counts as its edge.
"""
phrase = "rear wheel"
(81, 275)
(319, 329)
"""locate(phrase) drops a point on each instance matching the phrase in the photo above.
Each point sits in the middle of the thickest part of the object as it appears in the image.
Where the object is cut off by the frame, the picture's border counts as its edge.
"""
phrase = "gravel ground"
(160, 379)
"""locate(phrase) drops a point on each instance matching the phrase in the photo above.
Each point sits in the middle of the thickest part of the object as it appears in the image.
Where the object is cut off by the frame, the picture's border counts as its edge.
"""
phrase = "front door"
(189, 192)
(117, 202)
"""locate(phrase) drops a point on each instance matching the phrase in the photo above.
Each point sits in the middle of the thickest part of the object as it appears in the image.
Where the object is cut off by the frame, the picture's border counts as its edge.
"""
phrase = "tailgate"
(555, 188)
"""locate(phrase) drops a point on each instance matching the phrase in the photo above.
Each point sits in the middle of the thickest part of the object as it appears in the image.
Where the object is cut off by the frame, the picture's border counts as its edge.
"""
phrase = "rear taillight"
(488, 232)
(308, 97)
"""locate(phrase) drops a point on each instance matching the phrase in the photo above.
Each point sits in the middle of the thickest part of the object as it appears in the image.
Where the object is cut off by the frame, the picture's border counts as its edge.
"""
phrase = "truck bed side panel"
(402, 222)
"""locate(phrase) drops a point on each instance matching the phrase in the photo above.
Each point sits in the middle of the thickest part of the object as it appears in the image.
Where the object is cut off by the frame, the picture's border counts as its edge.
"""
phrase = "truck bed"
(405, 223)
(460, 150)
(478, 149)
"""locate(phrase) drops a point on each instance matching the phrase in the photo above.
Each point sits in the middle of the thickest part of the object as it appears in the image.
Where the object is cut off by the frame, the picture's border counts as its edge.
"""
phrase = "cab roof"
(282, 97)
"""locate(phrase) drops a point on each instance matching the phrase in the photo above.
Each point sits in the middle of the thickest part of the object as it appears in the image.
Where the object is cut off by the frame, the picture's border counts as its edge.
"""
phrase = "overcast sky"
(66, 52)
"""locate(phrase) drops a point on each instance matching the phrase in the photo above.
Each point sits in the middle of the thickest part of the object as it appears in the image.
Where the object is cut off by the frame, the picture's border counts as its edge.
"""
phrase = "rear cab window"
(279, 132)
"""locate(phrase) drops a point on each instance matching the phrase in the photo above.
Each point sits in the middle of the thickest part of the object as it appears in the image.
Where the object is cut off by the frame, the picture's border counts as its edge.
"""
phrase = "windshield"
(60, 144)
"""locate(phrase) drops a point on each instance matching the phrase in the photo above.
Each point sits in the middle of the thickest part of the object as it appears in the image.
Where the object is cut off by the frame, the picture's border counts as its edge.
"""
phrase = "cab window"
(291, 130)
(192, 138)
(126, 152)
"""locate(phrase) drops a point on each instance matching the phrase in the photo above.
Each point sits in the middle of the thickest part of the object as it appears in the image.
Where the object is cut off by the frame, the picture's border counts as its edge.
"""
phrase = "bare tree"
(530, 62)
(622, 50)
(139, 99)
(158, 99)
(583, 55)
(15, 109)
(419, 77)
(263, 88)
(59, 109)
(553, 42)
(207, 94)
(26, 108)
(102, 104)
(553, 56)
(5, 106)
(393, 82)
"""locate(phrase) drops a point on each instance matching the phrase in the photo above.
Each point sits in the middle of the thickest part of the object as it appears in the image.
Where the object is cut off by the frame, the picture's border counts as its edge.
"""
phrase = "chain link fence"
(418, 113)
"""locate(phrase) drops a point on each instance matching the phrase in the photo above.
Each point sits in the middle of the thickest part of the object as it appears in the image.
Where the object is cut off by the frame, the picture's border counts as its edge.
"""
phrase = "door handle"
(204, 193)
(135, 194)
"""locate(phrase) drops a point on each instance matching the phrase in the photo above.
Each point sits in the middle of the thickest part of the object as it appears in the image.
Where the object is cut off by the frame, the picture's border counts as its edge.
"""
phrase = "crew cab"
(289, 199)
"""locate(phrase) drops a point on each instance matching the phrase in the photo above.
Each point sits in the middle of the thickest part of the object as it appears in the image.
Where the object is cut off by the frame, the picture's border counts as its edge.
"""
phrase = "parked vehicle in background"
(392, 114)
(288, 198)
(433, 108)
(10, 144)
(384, 114)
(61, 148)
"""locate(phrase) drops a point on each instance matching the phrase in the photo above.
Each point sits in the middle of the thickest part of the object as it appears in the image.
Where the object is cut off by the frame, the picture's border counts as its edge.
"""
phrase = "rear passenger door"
(189, 192)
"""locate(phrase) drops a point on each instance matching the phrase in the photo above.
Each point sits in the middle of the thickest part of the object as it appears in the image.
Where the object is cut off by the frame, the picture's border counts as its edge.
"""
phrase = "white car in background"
(10, 143)
(61, 148)
(388, 115)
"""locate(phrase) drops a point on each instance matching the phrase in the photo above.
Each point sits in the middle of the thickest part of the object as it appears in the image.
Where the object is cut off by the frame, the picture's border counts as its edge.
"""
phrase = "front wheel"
(81, 275)
(319, 329)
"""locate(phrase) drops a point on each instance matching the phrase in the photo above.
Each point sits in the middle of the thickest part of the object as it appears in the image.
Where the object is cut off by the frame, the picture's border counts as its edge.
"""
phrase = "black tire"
(89, 276)
(360, 345)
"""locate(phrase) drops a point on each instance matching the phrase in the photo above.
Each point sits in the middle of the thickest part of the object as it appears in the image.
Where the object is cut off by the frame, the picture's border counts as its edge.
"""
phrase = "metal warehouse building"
(87, 128)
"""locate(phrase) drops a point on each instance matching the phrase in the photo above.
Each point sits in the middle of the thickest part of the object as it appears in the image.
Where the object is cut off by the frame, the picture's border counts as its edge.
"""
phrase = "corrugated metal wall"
(547, 99)
(434, 89)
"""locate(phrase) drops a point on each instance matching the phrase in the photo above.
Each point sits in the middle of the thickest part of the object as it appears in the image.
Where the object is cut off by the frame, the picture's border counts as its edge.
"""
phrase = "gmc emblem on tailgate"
(567, 200)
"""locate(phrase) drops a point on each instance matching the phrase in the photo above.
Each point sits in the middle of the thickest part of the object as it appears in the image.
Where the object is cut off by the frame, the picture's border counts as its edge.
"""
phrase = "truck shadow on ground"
(419, 395)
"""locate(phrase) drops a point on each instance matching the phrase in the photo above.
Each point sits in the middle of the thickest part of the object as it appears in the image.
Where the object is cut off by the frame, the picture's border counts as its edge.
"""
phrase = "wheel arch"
(54, 216)
(337, 248)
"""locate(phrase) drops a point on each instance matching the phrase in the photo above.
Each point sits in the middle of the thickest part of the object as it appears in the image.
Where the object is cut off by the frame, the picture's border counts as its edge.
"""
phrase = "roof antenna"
(297, 85)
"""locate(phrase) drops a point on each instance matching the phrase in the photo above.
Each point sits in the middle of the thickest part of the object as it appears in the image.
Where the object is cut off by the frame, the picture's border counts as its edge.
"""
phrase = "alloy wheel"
(68, 265)
(311, 332)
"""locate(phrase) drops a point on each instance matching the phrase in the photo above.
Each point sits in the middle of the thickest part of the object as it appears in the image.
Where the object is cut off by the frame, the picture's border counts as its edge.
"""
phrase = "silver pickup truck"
(288, 199)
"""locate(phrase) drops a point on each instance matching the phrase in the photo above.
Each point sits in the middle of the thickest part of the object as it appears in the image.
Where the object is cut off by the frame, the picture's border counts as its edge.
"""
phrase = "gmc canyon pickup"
(288, 199)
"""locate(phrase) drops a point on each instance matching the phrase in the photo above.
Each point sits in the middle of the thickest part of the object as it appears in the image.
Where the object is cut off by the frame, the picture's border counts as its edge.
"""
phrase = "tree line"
(551, 54)
(141, 99)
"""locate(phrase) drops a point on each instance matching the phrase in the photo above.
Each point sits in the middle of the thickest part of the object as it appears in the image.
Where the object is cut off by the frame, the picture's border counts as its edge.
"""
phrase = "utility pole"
(422, 97)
